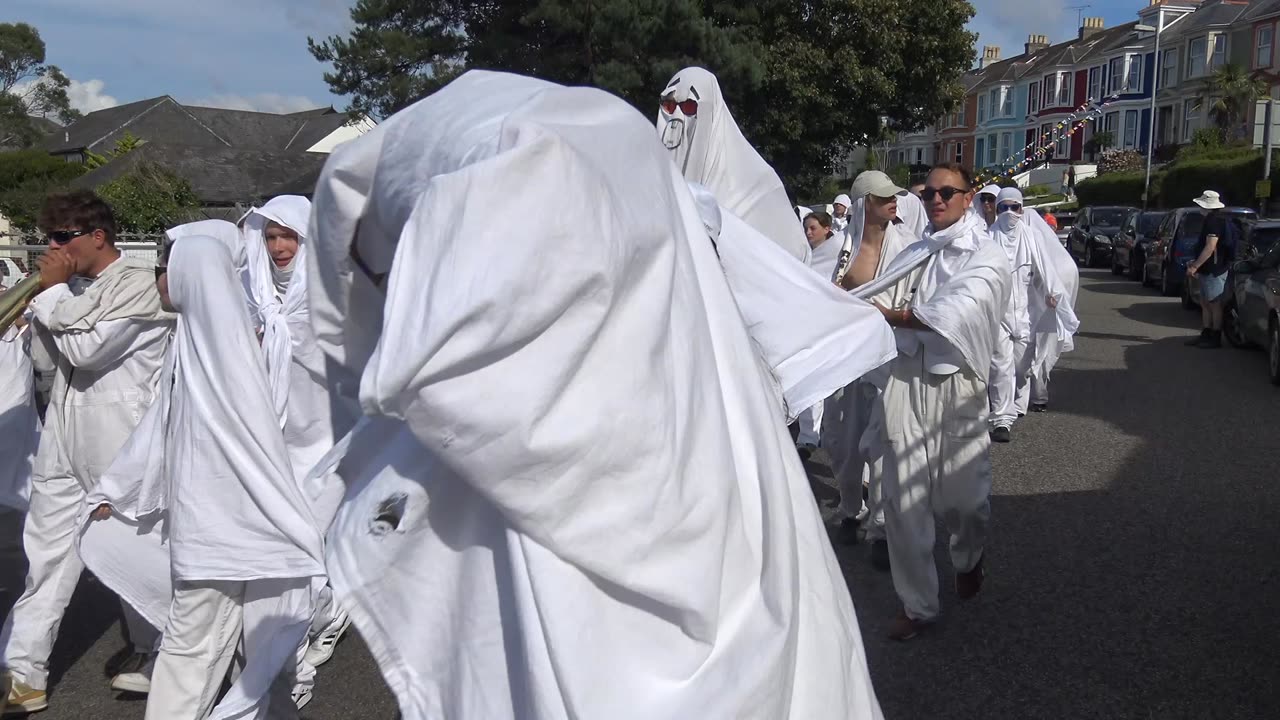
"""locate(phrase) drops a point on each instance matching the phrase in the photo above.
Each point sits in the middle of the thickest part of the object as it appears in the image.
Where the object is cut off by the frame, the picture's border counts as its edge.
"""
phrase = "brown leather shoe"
(904, 628)
(968, 584)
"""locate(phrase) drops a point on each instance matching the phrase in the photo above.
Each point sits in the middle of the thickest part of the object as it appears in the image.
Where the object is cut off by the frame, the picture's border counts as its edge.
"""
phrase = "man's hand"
(1051, 301)
(56, 267)
(1191, 270)
(102, 512)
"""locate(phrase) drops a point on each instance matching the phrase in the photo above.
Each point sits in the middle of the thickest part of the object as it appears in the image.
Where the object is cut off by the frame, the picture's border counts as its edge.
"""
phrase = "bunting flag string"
(1090, 111)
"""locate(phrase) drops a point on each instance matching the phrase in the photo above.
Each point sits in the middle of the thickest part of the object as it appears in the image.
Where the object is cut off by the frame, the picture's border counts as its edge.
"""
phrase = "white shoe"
(301, 696)
(321, 649)
(135, 681)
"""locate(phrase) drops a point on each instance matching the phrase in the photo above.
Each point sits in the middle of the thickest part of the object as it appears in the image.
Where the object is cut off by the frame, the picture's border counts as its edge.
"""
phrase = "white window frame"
(1062, 150)
(1131, 129)
(1116, 75)
(1197, 67)
(1064, 89)
(1006, 101)
(1110, 124)
(1006, 145)
(1033, 98)
(1190, 122)
(1133, 75)
(1261, 58)
(1095, 83)
(979, 150)
(960, 152)
(992, 149)
(1217, 51)
(1048, 87)
(993, 104)
(982, 109)
(1169, 70)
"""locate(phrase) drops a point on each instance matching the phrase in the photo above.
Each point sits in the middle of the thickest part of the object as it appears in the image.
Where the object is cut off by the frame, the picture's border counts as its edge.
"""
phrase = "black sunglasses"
(62, 237)
(947, 193)
(1010, 207)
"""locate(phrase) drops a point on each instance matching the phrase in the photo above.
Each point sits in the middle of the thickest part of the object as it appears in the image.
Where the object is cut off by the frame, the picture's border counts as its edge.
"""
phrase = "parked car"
(1253, 312)
(1095, 229)
(1165, 264)
(1066, 220)
(11, 271)
(1130, 245)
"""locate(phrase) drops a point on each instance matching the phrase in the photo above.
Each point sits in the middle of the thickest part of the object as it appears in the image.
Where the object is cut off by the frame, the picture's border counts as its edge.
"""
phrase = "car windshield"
(1148, 223)
(1109, 217)
(1265, 238)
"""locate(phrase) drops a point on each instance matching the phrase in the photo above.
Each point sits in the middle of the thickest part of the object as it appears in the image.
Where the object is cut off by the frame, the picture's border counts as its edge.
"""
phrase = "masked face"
(678, 114)
(1008, 221)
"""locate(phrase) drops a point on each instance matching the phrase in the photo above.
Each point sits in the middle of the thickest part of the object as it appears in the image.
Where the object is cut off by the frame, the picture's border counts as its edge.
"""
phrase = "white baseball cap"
(874, 182)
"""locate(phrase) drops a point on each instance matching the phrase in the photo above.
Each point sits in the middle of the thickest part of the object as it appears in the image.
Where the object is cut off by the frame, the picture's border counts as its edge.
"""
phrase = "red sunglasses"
(688, 107)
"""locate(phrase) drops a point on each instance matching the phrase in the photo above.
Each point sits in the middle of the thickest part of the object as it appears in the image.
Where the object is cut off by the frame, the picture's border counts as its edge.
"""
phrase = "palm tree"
(1236, 91)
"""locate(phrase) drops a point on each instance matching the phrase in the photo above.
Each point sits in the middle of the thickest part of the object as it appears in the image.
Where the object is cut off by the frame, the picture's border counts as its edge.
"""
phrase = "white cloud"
(88, 96)
(260, 102)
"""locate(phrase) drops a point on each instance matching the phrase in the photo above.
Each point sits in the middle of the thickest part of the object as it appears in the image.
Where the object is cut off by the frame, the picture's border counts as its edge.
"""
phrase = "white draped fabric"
(19, 424)
(711, 150)
(575, 482)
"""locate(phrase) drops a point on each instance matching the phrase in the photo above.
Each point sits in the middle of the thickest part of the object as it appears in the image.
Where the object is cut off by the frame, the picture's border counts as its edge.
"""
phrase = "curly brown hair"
(78, 209)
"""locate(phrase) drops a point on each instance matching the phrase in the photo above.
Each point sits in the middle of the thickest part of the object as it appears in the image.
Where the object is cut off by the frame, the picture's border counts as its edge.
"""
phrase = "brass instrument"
(14, 300)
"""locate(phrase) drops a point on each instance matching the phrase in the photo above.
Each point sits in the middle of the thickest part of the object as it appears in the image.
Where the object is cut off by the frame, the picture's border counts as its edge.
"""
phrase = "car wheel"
(1146, 276)
(1166, 287)
(1231, 329)
(1187, 302)
(1137, 267)
(1274, 350)
(1088, 255)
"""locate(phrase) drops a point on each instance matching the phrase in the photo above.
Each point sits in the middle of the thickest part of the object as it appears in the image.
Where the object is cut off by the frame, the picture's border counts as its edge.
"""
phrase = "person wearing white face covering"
(99, 325)
(1053, 326)
(275, 239)
(1011, 362)
(946, 294)
(884, 221)
(840, 213)
(562, 563)
(695, 124)
(245, 554)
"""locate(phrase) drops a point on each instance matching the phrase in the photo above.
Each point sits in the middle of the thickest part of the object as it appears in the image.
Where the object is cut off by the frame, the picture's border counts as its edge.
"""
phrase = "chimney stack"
(990, 56)
(1036, 43)
(1092, 26)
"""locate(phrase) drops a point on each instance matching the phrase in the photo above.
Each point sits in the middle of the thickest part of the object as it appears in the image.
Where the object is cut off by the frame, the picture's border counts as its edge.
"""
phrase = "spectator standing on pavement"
(1214, 254)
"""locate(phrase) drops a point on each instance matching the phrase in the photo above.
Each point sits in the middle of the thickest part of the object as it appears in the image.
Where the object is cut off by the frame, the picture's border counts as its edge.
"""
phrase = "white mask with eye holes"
(678, 113)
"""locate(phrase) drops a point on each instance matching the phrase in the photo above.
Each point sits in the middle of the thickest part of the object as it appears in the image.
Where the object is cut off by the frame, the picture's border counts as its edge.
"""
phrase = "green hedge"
(1124, 188)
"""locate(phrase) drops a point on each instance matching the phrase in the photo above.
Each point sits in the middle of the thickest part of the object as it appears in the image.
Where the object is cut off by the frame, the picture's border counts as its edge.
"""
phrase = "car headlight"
(1102, 239)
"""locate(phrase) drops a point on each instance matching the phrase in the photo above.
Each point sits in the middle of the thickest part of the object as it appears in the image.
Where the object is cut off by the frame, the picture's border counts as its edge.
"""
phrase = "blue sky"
(252, 54)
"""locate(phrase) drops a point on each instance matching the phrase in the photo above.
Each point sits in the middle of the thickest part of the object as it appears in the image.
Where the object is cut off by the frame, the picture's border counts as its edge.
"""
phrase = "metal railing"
(24, 256)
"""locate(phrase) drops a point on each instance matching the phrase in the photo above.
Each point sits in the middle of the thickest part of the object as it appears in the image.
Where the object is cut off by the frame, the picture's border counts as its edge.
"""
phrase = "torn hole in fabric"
(389, 515)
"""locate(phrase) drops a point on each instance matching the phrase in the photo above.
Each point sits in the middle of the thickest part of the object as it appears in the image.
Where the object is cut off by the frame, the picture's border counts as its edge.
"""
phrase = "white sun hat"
(1209, 200)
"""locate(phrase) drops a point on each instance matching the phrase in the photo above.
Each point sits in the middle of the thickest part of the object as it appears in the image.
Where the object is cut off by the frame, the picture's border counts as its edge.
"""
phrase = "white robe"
(19, 423)
(625, 532)
(711, 150)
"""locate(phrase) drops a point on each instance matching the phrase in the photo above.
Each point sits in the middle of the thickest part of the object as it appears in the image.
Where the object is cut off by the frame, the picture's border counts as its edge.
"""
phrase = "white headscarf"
(711, 150)
(277, 311)
(506, 502)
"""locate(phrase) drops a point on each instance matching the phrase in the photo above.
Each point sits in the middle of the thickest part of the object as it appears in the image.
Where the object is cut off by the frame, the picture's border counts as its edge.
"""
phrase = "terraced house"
(1010, 104)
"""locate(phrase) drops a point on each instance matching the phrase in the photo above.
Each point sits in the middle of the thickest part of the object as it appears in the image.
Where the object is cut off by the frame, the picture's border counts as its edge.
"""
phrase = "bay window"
(1197, 56)
(1169, 68)
(1095, 83)
(1033, 99)
(1263, 39)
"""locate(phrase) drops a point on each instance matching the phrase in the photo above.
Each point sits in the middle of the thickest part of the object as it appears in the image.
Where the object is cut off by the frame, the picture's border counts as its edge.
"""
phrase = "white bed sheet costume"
(573, 480)
(933, 409)
(711, 150)
(1035, 279)
(111, 334)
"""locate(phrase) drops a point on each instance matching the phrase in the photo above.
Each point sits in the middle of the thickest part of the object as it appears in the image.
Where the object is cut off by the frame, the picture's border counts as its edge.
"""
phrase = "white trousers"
(810, 426)
(1044, 356)
(205, 627)
(1010, 374)
(845, 423)
(937, 465)
(54, 569)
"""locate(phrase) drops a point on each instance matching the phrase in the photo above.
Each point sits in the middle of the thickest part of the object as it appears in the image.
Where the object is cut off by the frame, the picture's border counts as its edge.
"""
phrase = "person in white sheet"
(840, 212)
(985, 205)
(245, 553)
(695, 124)
(885, 221)
(1052, 328)
(529, 538)
(1036, 292)
(947, 295)
(98, 323)
(275, 241)
(19, 431)
(818, 230)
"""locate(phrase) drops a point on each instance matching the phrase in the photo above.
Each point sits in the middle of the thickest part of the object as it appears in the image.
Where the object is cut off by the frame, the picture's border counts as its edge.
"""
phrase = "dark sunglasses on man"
(947, 193)
(62, 237)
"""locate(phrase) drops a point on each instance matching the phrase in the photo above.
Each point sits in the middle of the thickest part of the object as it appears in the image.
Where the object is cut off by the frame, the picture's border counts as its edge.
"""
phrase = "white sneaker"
(301, 696)
(321, 649)
(138, 680)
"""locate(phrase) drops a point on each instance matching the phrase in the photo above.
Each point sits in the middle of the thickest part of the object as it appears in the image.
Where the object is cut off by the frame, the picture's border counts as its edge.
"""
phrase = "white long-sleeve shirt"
(105, 378)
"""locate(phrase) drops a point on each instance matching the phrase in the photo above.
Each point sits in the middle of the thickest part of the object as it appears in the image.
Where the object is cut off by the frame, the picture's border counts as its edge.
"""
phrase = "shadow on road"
(1164, 313)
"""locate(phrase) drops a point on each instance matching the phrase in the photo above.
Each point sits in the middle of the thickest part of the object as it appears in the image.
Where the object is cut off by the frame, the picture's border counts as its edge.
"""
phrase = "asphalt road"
(1132, 571)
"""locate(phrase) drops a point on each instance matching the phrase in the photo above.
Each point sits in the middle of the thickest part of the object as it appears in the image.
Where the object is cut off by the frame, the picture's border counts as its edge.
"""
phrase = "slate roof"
(220, 176)
(165, 120)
